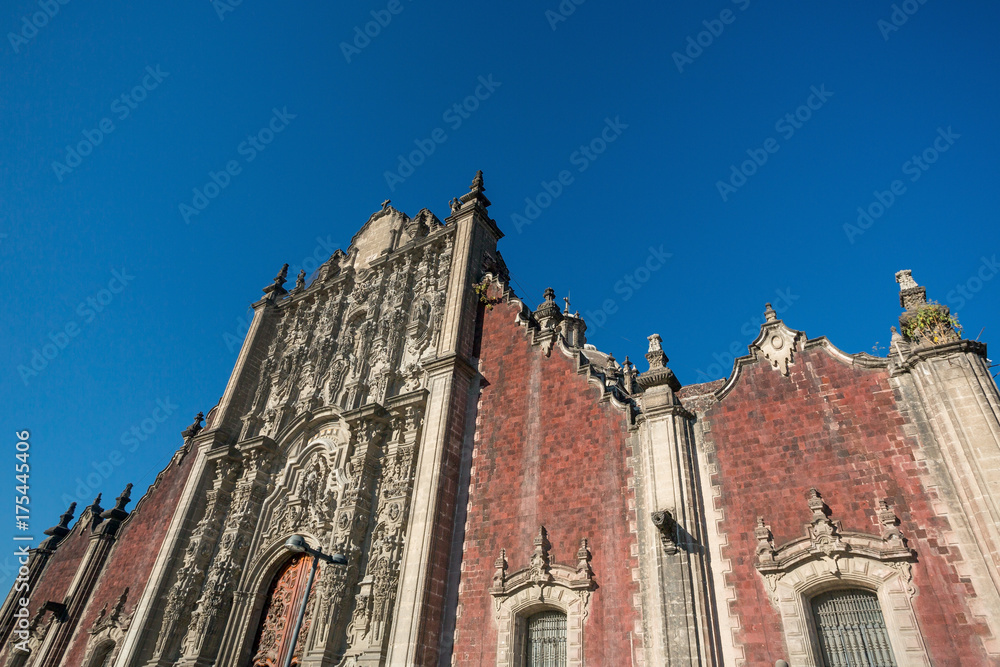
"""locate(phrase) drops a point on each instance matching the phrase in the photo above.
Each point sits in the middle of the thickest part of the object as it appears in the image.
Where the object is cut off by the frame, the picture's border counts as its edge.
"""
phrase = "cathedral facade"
(503, 493)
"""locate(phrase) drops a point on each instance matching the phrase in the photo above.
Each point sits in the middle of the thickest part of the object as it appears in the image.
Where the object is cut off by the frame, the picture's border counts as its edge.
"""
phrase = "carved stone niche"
(541, 586)
(827, 558)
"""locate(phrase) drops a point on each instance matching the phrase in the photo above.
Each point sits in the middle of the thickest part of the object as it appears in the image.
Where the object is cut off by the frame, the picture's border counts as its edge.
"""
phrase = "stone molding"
(777, 345)
(827, 559)
(611, 385)
(541, 585)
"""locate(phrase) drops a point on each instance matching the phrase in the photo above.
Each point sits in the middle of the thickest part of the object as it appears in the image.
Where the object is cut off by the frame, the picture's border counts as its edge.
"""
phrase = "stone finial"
(583, 570)
(277, 287)
(66, 516)
(119, 607)
(658, 373)
(194, 428)
(816, 504)
(125, 498)
(475, 192)
(905, 280)
(629, 374)
(282, 275)
(824, 532)
(548, 315)
(113, 517)
(300, 281)
(477, 182)
(890, 523)
(59, 531)
(539, 562)
(566, 309)
(386, 203)
(500, 576)
(769, 314)
(765, 541)
(95, 512)
(924, 324)
(655, 355)
(911, 295)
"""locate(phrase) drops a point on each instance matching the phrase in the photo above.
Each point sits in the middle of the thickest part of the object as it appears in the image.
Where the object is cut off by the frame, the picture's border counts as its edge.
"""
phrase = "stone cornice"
(904, 362)
(552, 339)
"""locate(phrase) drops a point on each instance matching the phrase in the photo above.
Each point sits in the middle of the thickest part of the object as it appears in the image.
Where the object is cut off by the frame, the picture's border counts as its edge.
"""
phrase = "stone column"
(214, 606)
(946, 383)
(419, 622)
(673, 555)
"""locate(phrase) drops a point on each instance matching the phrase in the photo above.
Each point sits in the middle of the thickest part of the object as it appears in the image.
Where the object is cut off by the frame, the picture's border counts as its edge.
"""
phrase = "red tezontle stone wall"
(547, 452)
(838, 429)
(57, 575)
(131, 560)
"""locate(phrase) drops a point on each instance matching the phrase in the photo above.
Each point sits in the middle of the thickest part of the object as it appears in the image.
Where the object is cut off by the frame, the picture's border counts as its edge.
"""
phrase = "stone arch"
(308, 488)
(793, 591)
(541, 586)
(251, 601)
(274, 623)
(102, 654)
(513, 612)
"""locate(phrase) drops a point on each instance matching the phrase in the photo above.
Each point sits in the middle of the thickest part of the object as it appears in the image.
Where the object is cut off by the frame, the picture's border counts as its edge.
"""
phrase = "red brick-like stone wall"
(547, 452)
(58, 574)
(838, 429)
(131, 560)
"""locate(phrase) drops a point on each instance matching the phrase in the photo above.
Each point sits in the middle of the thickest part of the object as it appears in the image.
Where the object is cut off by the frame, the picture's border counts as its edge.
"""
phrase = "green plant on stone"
(482, 291)
(931, 323)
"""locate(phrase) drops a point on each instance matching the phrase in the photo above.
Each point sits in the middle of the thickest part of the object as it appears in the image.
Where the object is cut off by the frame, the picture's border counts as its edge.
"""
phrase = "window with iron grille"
(545, 640)
(851, 629)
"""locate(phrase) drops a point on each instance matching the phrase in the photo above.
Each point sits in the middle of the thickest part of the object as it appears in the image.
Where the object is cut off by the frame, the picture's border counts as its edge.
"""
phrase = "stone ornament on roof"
(825, 541)
(924, 324)
(658, 373)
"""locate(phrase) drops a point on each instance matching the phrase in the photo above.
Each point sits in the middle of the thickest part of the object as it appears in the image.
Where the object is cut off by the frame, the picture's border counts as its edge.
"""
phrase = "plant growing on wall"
(482, 290)
(930, 324)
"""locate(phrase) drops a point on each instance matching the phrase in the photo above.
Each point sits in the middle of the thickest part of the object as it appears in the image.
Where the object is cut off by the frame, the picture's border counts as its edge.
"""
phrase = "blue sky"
(648, 112)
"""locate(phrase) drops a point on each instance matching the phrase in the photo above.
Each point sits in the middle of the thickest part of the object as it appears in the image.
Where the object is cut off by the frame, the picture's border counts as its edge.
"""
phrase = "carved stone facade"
(479, 465)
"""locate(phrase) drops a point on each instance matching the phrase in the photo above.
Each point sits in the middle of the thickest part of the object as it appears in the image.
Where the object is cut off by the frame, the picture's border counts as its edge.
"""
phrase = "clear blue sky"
(679, 123)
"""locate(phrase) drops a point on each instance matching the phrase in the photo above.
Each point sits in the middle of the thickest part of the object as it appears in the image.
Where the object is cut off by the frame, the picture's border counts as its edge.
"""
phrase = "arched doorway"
(273, 638)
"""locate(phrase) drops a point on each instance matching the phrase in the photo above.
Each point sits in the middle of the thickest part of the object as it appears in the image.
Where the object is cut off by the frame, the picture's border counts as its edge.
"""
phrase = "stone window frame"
(514, 611)
(793, 591)
(828, 559)
(102, 651)
(541, 586)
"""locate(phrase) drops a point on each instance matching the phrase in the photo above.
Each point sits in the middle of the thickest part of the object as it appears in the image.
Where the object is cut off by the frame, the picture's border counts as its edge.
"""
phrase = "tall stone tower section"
(343, 421)
(955, 406)
(677, 595)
